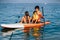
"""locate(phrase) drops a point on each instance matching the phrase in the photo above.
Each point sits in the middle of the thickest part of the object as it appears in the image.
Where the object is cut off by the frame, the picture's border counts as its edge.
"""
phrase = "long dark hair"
(26, 13)
(37, 7)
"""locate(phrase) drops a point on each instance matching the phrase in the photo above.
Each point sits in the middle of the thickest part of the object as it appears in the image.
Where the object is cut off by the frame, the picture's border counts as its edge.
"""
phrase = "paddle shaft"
(44, 22)
(19, 16)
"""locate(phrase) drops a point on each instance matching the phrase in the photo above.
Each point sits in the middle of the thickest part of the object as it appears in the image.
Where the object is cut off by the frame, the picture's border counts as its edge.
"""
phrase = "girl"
(26, 18)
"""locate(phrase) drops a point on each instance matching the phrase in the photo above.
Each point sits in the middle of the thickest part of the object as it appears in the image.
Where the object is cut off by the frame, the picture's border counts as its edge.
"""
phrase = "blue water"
(9, 13)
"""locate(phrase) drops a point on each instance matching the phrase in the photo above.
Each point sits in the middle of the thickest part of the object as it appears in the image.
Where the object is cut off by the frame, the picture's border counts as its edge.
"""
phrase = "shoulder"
(40, 13)
(28, 16)
(23, 17)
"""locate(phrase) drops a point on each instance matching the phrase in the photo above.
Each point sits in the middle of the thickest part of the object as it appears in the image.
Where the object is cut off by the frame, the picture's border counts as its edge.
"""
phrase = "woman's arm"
(40, 14)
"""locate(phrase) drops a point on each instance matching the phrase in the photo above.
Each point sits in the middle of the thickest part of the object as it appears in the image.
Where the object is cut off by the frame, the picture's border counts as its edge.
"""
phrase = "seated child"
(34, 17)
(26, 18)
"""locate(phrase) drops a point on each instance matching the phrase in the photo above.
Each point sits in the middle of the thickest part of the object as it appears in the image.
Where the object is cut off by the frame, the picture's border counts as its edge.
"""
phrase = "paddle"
(43, 14)
(11, 36)
(19, 16)
(16, 22)
(43, 20)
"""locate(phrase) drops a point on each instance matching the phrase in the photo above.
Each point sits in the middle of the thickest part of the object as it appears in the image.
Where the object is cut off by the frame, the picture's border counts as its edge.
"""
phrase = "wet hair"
(34, 12)
(27, 13)
(37, 7)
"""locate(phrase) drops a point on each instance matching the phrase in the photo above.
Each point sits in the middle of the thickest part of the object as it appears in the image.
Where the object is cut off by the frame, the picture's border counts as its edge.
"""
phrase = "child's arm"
(32, 19)
(40, 14)
(29, 19)
(22, 20)
(35, 21)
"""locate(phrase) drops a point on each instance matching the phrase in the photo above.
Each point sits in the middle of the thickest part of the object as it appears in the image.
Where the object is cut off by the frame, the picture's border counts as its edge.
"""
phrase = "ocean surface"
(9, 13)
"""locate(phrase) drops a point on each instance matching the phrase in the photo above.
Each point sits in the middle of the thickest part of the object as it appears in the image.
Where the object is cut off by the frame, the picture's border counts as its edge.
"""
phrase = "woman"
(37, 20)
(37, 9)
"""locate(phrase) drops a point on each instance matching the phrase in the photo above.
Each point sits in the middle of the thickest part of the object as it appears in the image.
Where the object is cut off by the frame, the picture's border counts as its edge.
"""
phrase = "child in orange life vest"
(38, 19)
(35, 20)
